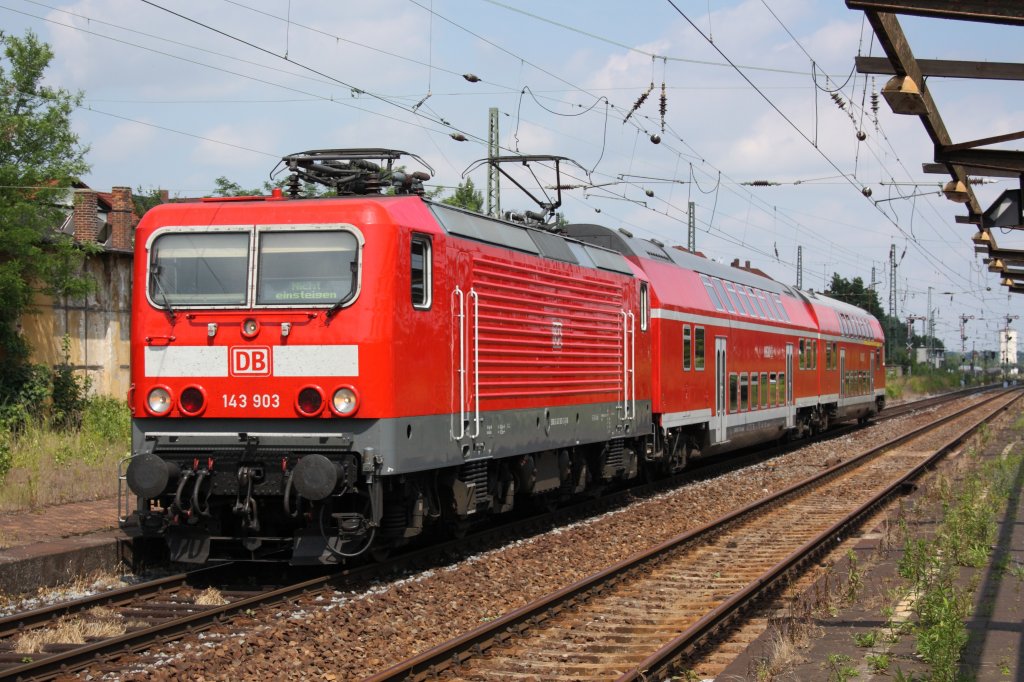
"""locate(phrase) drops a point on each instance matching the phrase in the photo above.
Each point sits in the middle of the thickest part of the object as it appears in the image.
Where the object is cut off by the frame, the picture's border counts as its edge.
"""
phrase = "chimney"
(121, 218)
(85, 220)
(164, 196)
(747, 266)
(735, 262)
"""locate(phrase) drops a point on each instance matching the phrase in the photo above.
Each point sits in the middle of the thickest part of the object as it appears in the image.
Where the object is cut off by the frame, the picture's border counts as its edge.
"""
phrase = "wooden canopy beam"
(947, 68)
(989, 11)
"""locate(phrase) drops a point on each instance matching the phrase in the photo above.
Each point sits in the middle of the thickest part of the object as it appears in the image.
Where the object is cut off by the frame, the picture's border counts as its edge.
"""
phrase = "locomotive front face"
(241, 336)
(246, 382)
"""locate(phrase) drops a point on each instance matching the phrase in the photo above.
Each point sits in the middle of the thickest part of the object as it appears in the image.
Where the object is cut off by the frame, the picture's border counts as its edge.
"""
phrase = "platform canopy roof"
(907, 92)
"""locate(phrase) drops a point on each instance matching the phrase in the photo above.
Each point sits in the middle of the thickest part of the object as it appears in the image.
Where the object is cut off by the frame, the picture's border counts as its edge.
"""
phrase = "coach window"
(755, 304)
(733, 384)
(687, 348)
(315, 267)
(645, 306)
(421, 273)
(782, 308)
(733, 297)
(802, 354)
(765, 389)
(780, 395)
(814, 354)
(698, 348)
(744, 392)
(711, 293)
(773, 380)
(761, 299)
(742, 296)
(755, 390)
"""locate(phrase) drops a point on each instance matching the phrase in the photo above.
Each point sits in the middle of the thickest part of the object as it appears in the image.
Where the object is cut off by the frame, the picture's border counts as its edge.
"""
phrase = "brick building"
(97, 325)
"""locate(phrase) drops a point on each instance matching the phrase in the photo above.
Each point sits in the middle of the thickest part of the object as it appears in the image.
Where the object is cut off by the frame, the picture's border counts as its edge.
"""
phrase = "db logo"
(250, 361)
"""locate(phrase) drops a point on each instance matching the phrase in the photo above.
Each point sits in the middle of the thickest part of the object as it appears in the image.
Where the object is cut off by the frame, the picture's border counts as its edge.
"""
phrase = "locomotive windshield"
(306, 267)
(293, 268)
(194, 268)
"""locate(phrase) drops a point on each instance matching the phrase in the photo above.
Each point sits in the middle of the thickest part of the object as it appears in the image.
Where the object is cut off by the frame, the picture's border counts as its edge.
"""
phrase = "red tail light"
(310, 401)
(192, 401)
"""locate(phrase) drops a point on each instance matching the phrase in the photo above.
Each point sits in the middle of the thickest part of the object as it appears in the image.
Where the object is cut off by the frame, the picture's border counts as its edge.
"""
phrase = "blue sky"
(178, 93)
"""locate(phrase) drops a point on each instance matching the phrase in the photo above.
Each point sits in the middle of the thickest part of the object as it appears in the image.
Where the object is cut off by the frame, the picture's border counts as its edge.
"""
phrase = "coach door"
(721, 386)
(871, 373)
(790, 411)
(842, 373)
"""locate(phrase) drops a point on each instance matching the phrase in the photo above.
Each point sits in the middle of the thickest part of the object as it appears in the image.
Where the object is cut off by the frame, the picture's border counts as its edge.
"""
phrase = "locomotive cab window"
(195, 269)
(421, 272)
(307, 268)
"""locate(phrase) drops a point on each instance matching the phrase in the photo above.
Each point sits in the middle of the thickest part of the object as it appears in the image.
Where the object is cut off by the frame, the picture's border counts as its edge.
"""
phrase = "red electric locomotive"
(331, 376)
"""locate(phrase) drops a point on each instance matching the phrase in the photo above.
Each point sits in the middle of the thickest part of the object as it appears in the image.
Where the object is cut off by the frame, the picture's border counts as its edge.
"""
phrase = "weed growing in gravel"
(879, 663)
(866, 639)
(854, 578)
(838, 668)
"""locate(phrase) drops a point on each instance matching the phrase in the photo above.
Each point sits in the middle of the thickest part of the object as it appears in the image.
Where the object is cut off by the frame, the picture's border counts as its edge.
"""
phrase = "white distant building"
(938, 356)
(1008, 349)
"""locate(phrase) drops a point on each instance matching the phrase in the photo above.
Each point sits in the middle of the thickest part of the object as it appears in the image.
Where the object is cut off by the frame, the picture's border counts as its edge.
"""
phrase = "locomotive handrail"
(628, 362)
(476, 362)
(633, 364)
(460, 297)
(123, 498)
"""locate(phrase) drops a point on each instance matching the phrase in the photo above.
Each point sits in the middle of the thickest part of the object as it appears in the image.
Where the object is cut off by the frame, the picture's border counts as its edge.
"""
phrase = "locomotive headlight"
(159, 401)
(344, 402)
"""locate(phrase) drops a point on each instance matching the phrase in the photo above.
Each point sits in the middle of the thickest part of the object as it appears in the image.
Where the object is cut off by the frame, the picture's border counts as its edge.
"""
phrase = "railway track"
(126, 619)
(642, 617)
(135, 617)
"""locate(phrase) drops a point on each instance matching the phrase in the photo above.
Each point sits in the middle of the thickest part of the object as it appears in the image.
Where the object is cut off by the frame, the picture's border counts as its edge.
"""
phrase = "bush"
(70, 392)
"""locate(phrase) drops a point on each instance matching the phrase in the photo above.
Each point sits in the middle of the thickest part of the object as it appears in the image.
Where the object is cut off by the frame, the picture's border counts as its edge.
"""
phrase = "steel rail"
(663, 658)
(443, 656)
(73, 659)
(18, 622)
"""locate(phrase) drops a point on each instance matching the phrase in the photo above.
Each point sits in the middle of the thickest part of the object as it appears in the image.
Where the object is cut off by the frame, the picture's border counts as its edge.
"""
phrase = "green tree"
(855, 293)
(229, 188)
(466, 196)
(40, 159)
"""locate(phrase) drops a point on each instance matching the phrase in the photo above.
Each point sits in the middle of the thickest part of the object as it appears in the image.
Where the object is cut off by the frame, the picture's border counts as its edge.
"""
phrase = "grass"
(931, 567)
(211, 596)
(53, 466)
(100, 622)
